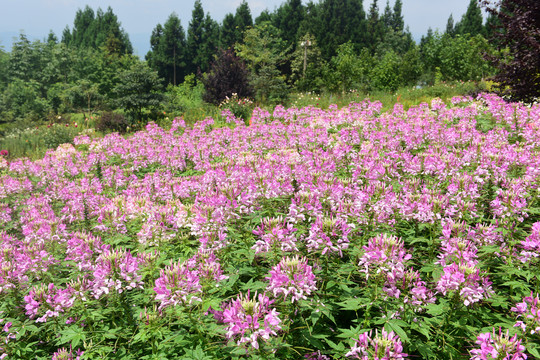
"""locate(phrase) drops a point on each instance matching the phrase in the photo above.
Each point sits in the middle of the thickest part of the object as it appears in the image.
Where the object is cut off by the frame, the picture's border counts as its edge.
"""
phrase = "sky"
(139, 17)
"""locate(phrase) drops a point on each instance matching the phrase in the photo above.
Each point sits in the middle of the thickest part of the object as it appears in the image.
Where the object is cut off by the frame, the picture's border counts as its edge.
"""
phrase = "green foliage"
(335, 22)
(98, 30)
(202, 40)
(242, 20)
(457, 58)
(241, 108)
(387, 73)
(33, 142)
(263, 50)
(471, 22)
(168, 50)
(21, 100)
(227, 33)
(347, 70)
(138, 91)
(185, 96)
(307, 65)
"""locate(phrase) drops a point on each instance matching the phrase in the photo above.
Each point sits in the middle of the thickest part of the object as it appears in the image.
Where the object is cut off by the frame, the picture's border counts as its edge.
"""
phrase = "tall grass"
(33, 142)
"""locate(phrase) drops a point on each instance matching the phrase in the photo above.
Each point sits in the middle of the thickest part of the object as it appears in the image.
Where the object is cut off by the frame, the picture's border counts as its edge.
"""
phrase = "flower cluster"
(383, 254)
(182, 283)
(250, 320)
(116, 270)
(531, 246)
(386, 346)
(329, 234)
(65, 354)
(275, 234)
(292, 277)
(47, 301)
(460, 271)
(498, 346)
(529, 312)
(177, 284)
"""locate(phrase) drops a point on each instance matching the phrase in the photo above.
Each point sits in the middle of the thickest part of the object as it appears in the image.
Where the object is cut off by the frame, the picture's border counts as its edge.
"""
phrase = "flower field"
(309, 234)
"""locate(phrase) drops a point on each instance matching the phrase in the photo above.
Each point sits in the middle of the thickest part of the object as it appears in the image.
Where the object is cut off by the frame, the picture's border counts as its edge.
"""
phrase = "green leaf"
(73, 335)
(353, 304)
(435, 309)
(394, 325)
(338, 347)
(532, 349)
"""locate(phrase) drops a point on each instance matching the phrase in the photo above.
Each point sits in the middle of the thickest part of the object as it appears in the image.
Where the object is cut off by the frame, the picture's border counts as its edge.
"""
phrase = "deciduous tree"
(519, 71)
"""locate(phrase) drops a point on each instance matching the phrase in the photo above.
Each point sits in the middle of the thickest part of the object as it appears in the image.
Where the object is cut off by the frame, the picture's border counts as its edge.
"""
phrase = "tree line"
(330, 45)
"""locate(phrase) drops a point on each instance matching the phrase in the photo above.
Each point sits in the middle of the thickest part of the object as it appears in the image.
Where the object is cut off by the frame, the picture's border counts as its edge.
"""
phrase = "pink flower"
(177, 284)
(329, 234)
(275, 234)
(529, 313)
(65, 354)
(47, 301)
(383, 254)
(4, 153)
(467, 280)
(249, 320)
(500, 346)
(387, 346)
(116, 270)
(292, 276)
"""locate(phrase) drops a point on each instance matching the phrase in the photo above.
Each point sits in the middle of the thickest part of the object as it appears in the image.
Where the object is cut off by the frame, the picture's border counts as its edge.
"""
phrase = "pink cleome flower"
(386, 346)
(249, 320)
(500, 346)
(292, 277)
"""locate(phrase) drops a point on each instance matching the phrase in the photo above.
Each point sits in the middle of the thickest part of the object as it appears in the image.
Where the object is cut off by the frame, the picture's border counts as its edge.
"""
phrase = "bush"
(110, 121)
(241, 108)
(228, 74)
(185, 96)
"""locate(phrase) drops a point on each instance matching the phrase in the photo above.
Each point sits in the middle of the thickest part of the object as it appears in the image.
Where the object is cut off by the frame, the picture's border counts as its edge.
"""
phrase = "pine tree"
(168, 50)
(335, 22)
(287, 19)
(471, 22)
(375, 29)
(195, 38)
(95, 30)
(388, 16)
(450, 26)
(397, 17)
(83, 29)
(242, 20)
(265, 15)
(227, 34)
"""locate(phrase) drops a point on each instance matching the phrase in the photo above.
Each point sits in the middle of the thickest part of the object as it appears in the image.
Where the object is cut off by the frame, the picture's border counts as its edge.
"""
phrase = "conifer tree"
(195, 38)
(375, 28)
(387, 17)
(471, 22)
(168, 50)
(397, 17)
(242, 20)
(227, 35)
(335, 22)
(287, 19)
(450, 29)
